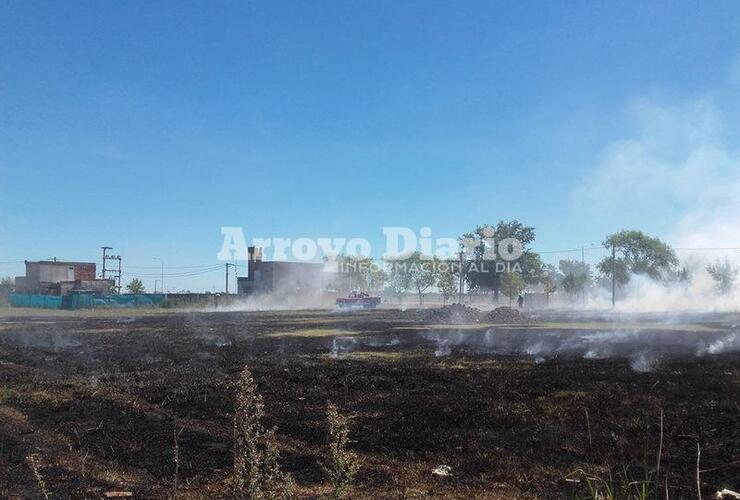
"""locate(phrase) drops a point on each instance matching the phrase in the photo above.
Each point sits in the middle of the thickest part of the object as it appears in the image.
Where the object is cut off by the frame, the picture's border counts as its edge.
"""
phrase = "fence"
(85, 301)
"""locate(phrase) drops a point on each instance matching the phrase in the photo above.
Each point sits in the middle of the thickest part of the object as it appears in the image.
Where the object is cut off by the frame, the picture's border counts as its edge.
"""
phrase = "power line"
(580, 249)
(171, 267)
(174, 275)
(709, 249)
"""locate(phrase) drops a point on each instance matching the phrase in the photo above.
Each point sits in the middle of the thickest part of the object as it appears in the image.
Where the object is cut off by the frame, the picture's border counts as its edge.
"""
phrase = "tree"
(681, 276)
(488, 268)
(447, 279)
(512, 284)
(135, 286)
(398, 278)
(357, 273)
(551, 278)
(377, 279)
(575, 276)
(6, 285)
(637, 253)
(422, 273)
(724, 274)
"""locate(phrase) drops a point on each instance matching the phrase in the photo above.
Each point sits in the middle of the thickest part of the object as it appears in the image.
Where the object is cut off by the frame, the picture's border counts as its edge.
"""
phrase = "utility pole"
(104, 249)
(614, 267)
(583, 262)
(460, 291)
(161, 280)
(227, 275)
(114, 273)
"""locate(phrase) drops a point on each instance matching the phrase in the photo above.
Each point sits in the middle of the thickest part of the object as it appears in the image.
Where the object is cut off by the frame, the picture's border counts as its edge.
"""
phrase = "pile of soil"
(505, 315)
(453, 313)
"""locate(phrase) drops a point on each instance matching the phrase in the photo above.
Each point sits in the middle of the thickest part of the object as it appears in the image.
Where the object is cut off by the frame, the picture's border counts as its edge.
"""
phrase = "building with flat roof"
(290, 278)
(57, 277)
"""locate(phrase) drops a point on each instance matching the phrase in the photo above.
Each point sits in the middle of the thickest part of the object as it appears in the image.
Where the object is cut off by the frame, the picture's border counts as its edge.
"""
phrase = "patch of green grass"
(379, 355)
(9, 396)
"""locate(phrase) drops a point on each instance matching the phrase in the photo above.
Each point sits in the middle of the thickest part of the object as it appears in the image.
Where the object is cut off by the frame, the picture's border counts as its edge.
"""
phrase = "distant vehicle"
(358, 299)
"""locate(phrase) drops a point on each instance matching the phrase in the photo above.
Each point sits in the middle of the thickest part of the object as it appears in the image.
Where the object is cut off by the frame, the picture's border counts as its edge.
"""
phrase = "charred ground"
(97, 398)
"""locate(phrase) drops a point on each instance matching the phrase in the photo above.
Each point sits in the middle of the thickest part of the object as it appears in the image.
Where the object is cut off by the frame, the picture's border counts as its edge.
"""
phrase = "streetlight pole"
(462, 278)
(614, 279)
(161, 281)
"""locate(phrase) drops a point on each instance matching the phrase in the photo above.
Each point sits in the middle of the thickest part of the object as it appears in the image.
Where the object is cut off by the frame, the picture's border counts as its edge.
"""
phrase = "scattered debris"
(725, 493)
(118, 494)
(442, 470)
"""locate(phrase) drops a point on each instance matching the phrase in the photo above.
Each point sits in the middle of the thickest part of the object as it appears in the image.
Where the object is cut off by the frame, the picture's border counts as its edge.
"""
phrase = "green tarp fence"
(86, 300)
(32, 300)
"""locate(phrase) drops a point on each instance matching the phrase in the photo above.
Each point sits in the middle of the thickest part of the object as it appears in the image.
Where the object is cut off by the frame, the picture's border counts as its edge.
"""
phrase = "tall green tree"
(639, 254)
(135, 286)
(487, 270)
(724, 275)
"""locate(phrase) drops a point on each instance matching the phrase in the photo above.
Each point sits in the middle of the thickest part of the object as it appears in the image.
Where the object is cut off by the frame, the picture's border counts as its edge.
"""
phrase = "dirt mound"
(461, 314)
(453, 313)
(505, 315)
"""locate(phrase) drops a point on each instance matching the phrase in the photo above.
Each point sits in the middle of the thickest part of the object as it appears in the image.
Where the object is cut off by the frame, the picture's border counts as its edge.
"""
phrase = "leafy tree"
(512, 284)
(680, 276)
(575, 276)
(551, 278)
(724, 274)
(398, 279)
(422, 273)
(448, 279)
(135, 286)
(6, 285)
(377, 279)
(483, 274)
(637, 253)
(357, 273)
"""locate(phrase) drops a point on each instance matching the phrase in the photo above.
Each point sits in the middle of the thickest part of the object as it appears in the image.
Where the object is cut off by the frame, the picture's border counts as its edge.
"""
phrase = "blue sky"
(147, 126)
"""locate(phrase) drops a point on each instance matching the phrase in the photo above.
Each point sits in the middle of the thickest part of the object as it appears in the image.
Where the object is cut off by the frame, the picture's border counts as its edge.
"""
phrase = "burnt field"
(515, 410)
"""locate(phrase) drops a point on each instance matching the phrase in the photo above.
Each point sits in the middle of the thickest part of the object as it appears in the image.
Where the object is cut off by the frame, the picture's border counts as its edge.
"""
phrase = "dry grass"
(313, 332)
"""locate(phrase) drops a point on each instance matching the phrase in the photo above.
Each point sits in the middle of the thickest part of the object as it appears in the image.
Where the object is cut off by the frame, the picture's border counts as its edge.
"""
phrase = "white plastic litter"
(442, 470)
(724, 494)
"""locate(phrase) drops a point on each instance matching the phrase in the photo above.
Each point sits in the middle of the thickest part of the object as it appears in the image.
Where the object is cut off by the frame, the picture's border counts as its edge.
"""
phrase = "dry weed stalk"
(176, 459)
(33, 463)
(257, 474)
(344, 464)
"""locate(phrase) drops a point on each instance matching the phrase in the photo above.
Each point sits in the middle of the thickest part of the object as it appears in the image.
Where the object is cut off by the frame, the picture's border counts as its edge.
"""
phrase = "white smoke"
(679, 166)
(644, 348)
